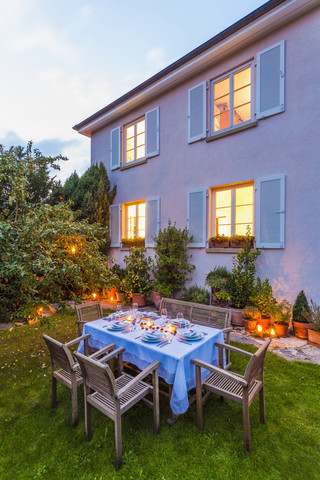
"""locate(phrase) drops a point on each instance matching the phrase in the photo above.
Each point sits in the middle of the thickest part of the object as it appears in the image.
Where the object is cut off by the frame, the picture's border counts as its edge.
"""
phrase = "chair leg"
(246, 424)
(118, 439)
(156, 405)
(87, 414)
(53, 392)
(262, 406)
(199, 398)
(74, 401)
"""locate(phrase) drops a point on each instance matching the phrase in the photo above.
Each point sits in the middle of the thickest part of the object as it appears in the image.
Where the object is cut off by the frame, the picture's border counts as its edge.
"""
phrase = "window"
(231, 102)
(135, 220)
(233, 209)
(135, 141)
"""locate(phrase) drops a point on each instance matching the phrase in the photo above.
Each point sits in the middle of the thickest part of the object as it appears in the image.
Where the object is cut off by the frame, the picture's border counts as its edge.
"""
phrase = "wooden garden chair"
(114, 396)
(239, 388)
(87, 312)
(66, 370)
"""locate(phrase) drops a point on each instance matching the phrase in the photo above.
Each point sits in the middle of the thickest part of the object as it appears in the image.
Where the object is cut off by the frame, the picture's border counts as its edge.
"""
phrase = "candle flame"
(259, 328)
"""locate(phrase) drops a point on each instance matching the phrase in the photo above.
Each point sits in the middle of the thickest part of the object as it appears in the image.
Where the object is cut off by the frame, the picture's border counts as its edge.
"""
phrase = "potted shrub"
(171, 264)
(118, 284)
(242, 281)
(282, 314)
(264, 300)
(137, 282)
(300, 310)
(223, 297)
(219, 241)
(250, 316)
(196, 294)
(313, 318)
(218, 279)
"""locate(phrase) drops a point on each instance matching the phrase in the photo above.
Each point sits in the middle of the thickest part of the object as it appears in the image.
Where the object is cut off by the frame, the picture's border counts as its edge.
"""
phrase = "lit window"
(232, 99)
(233, 210)
(135, 220)
(135, 141)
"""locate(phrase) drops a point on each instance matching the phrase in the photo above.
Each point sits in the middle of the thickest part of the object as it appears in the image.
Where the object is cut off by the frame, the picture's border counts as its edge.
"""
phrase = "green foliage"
(218, 277)
(196, 294)
(250, 313)
(138, 267)
(262, 297)
(242, 238)
(219, 239)
(119, 275)
(282, 312)
(24, 179)
(171, 263)
(313, 316)
(38, 266)
(223, 295)
(133, 242)
(243, 276)
(300, 308)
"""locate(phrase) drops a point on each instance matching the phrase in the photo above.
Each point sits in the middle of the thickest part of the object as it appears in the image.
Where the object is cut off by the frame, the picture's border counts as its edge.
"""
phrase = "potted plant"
(299, 311)
(282, 314)
(219, 241)
(133, 242)
(240, 240)
(223, 297)
(118, 284)
(313, 318)
(137, 282)
(264, 300)
(218, 279)
(171, 264)
(250, 316)
(242, 281)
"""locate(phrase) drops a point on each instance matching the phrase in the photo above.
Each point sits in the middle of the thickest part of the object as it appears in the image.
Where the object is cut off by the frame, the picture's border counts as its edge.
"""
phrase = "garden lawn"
(38, 442)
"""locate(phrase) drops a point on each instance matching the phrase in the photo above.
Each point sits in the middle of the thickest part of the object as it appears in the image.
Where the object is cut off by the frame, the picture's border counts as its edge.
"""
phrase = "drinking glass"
(164, 315)
(180, 318)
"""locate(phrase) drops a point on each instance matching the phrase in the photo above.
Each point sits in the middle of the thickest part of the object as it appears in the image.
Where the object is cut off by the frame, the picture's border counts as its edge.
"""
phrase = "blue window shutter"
(152, 219)
(197, 112)
(270, 221)
(196, 221)
(115, 225)
(270, 80)
(152, 132)
(115, 149)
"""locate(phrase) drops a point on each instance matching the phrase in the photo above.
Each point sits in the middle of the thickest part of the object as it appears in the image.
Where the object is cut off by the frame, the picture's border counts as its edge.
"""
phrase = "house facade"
(228, 136)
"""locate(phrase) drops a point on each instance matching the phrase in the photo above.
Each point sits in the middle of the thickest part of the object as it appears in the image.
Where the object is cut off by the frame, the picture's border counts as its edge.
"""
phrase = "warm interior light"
(259, 328)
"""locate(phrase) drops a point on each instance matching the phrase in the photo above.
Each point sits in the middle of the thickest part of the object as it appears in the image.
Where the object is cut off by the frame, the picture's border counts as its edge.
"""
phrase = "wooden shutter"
(152, 132)
(270, 212)
(115, 148)
(196, 221)
(270, 80)
(115, 225)
(197, 114)
(152, 219)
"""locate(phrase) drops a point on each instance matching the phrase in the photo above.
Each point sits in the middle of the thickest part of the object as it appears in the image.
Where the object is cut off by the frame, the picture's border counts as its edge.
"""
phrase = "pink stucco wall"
(287, 143)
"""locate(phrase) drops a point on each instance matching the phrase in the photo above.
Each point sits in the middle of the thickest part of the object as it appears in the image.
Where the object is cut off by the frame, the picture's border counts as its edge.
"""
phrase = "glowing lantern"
(94, 295)
(259, 328)
(272, 332)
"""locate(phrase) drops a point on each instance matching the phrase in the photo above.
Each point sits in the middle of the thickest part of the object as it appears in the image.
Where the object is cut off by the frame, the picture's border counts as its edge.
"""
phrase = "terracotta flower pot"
(138, 299)
(156, 298)
(250, 325)
(281, 330)
(264, 322)
(236, 317)
(301, 329)
(314, 337)
(219, 244)
(237, 245)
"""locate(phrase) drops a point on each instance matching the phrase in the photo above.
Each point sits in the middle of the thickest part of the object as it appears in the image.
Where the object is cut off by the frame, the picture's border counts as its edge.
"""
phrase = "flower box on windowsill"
(132, 242)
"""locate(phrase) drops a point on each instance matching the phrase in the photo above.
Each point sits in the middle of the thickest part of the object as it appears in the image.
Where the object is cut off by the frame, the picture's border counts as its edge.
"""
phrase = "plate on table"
(189, 334)
(118, 325)
(180, 322)
(153, 336)
(147, 314)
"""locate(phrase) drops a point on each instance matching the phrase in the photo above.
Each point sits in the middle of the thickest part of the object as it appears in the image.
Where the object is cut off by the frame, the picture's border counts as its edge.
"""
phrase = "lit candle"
(94, 295)
(149, 323)
(272, 332)
(129, 318)
(259, 328)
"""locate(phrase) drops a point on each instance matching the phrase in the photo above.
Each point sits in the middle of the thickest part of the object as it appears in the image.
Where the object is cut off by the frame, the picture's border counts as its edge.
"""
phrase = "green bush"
(218, 277)
(138, 267)
(262, 298)
(196, 294)
(300, 308)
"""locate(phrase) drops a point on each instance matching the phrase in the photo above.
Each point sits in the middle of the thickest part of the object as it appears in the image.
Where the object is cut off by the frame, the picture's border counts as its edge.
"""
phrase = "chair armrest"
(111, 355)
(233, 349)
(227, 330)
(77, 340)
(102, 350)
(138, 378)
(225, 373)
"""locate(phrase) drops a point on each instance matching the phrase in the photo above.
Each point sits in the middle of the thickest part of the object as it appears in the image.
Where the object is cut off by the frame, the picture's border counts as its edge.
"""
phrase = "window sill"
(230, 131)
(133, 164)
(124, 249)
(232, 250)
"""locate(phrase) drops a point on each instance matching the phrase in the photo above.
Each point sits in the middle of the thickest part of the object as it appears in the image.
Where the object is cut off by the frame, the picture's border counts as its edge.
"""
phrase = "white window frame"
(127, 125)
(230, 75)
(233, 188)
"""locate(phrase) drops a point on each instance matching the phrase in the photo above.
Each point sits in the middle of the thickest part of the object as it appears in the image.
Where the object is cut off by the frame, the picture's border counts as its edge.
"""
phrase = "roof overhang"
(264, 20)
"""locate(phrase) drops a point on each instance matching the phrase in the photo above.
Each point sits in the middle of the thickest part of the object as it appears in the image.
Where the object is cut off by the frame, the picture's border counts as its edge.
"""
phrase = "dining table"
(173, 351)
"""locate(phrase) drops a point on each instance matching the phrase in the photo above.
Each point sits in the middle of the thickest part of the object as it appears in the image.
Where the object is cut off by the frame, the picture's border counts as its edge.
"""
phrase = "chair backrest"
(255, 366)
(97, 376)
(87, 312)
(59, 353)
(210, 315)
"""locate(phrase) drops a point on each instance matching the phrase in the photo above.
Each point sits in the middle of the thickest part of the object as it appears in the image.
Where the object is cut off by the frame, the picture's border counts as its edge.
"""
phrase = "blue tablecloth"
(176, 367)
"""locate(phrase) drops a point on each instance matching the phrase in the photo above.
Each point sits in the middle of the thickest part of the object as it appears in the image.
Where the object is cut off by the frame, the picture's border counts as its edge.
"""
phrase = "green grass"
(40, 443)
